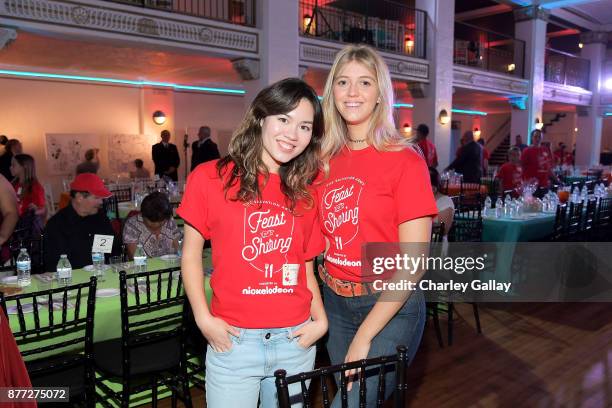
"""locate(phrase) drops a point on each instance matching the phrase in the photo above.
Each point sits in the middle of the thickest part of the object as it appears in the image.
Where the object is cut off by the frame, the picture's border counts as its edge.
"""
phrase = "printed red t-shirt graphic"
(340, 201)
(259, 249)
(268, 232)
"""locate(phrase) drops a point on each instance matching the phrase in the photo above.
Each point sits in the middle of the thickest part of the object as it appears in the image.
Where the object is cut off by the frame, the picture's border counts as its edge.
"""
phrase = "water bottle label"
(24, 265)
(97, 256)
(140, 260)
(64, 273)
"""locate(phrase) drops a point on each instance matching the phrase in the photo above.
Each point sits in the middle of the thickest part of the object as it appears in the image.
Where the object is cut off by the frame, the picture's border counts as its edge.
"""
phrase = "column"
(530, 26)
(278, 47)
(438, 94)
(590, 121)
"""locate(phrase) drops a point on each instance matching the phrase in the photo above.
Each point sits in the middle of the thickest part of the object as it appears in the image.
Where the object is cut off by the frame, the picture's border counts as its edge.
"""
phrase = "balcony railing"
(566, 69)
(488, 50)
(386, 25)
(240, 12)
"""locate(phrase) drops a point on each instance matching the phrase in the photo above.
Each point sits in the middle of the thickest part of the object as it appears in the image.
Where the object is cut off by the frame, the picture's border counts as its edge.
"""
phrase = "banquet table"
(530, 227)
(107, 320)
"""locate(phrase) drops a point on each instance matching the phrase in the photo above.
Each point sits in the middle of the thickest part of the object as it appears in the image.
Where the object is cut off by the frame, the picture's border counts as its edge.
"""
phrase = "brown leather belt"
(346, 288)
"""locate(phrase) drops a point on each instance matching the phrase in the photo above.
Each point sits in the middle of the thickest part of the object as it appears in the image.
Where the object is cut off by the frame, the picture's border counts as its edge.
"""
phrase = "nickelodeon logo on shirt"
(268, 234)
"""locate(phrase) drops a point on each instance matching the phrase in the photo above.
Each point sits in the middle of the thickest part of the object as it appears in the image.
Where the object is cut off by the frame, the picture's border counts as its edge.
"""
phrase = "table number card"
(102, 243)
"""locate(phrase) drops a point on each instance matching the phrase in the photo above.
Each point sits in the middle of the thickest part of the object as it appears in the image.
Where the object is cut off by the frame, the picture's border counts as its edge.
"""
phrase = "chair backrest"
(437, 232)
(123, 194)
(110, 205)
(559, 226)
(588, 221)
(399, 360)
(573, 221)
(467, 225)
(603, 217)
(53, 322)
(156, 311)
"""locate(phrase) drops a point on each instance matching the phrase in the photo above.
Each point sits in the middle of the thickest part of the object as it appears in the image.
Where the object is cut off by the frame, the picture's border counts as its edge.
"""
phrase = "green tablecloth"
(573, 179)
(107, 320)
(511, 230)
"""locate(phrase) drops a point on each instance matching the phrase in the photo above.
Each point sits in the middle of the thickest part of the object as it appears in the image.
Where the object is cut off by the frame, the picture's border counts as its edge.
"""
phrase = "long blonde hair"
(382, 133)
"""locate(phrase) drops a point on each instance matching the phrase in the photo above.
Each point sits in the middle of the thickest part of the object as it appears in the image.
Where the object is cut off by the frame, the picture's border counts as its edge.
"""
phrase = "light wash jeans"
(345, 315)
(238, 377)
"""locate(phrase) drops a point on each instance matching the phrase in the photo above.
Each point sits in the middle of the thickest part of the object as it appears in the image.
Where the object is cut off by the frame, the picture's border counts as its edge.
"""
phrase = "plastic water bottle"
(575, 195)
(140, 259)
(499, 204)
(97, 258)
(487, 206)
(64, 270)
(24, 267)
(179, 251)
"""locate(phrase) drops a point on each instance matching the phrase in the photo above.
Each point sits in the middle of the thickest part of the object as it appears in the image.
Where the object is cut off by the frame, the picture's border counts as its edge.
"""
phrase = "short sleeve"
(194, 205)
(131, 232)
(314, 241)
(413, 196)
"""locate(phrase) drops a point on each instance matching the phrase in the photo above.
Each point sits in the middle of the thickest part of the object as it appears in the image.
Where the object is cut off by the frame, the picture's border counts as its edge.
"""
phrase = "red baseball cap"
(90, 183)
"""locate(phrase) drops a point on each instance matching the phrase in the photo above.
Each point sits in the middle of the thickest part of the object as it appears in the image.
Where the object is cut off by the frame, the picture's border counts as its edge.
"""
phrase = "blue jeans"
(345, 315)
(238, 377)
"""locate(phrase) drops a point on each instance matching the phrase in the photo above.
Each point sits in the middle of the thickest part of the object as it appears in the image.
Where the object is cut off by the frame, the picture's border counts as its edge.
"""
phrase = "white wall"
(30, 108)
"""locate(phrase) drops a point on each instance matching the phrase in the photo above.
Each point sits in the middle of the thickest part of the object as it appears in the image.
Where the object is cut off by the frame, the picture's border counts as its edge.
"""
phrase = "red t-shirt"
(537, 163)
(429, 152)
(36, 196)
(260, 249)
(511, 176)
(367, 195)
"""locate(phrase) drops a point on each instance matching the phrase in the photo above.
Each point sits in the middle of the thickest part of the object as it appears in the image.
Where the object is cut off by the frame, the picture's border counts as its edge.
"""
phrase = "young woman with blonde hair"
(377, 189)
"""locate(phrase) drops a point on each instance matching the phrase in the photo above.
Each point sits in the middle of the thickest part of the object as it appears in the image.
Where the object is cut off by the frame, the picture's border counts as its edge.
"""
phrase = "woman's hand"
(311, 332)
(217, 333)
(358, 350)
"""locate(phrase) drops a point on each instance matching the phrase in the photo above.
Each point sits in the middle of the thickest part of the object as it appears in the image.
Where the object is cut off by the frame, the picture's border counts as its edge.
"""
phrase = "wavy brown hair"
(246, 146)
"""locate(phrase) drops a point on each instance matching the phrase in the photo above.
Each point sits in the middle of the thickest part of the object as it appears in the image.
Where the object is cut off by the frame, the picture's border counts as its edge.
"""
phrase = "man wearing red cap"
(71, 230)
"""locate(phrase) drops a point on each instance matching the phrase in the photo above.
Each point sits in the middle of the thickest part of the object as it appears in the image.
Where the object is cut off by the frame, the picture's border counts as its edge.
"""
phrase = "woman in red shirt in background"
(377, 190)
(30, 193)
(257, 208)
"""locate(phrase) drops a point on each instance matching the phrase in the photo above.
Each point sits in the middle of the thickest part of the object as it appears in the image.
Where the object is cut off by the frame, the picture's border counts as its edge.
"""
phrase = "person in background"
(510, 174)
(519, 143)
(30, 193)
(154, 227)
(203, 149)
(9, 215)
(139, 172)
(446, 207)
(13, 147)
(166, 157)
(72, 229)
(429, 149)
(537, 161)
(469, 161)
(485, 157)
(562, 156)
(91, 163)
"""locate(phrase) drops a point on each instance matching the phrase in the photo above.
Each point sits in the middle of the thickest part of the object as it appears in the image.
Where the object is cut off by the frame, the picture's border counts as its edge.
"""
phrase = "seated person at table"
(510, 174)
(445, 205)
(154, 227)
(72, 229)
(139, 171)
